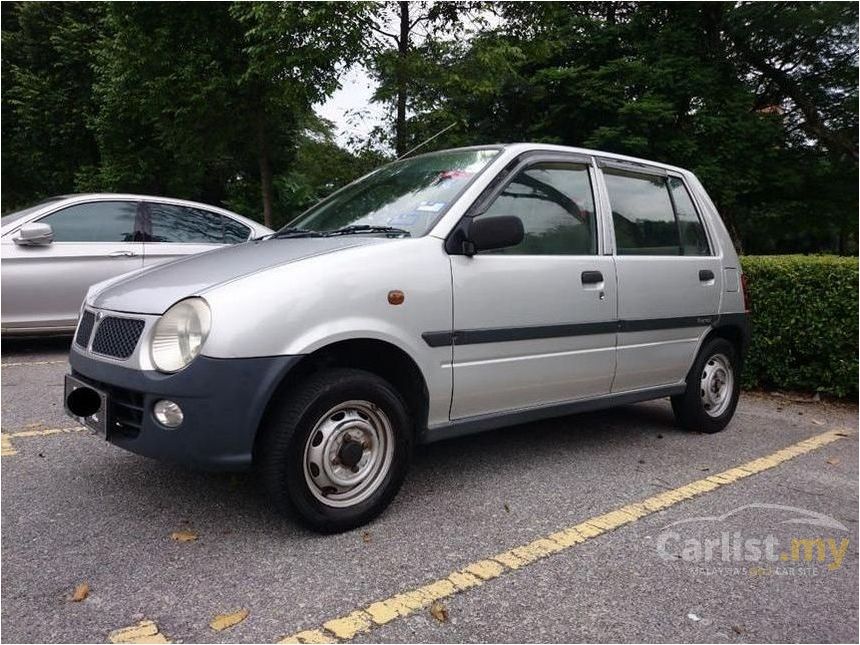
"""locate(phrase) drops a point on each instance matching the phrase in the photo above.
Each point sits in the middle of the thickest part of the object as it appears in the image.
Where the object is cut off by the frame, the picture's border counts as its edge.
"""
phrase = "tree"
(47, 100)
(194, 95)
(669, 81)
(393, 56)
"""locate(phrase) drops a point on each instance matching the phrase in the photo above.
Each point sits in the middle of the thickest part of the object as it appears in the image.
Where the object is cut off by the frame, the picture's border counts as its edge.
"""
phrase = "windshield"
(407, 196)
(14, 217)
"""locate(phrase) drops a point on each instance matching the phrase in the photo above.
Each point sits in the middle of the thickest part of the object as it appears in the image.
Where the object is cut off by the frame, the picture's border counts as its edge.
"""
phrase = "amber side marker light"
(396, 297)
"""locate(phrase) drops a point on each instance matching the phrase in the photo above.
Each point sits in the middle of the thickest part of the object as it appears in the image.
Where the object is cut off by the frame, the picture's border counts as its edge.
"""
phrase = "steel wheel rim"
(348, 453)
(717, 385)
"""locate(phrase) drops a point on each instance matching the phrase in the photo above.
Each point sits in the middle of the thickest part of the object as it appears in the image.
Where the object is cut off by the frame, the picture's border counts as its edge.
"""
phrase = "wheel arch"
(379, 357)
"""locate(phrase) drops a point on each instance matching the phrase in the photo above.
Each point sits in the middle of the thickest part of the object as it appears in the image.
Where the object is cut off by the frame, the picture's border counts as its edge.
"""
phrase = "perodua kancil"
(448, 293)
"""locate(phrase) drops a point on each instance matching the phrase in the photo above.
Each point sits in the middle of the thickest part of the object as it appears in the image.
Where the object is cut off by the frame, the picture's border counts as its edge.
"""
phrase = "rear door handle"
(705, 275)
(592, 277)
(122, 254)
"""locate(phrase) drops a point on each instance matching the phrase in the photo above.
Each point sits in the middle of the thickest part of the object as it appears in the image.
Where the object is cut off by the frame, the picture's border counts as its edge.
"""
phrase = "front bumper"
(223, 401)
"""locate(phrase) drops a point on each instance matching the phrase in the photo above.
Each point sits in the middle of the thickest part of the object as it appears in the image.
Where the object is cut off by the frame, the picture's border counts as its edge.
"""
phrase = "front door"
(669, 279)
(44, 286)
(534, 324)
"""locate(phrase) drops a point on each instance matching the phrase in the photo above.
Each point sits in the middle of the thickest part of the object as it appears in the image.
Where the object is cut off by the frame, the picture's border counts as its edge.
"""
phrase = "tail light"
(746, 292)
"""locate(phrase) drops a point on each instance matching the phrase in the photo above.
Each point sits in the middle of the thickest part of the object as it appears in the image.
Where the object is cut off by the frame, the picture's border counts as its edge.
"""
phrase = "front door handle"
(122, 254)
(705, 275)
(592, 277)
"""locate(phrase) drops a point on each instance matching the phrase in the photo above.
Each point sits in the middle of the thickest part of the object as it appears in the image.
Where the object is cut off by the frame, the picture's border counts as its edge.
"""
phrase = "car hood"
(154, 290)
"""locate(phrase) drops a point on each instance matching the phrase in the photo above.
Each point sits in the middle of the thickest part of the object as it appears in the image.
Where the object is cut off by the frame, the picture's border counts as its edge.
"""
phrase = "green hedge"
(804, 323)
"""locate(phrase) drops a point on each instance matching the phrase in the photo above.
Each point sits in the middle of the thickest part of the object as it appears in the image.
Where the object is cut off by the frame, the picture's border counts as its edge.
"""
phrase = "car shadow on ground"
(202, 498)
(19, 347)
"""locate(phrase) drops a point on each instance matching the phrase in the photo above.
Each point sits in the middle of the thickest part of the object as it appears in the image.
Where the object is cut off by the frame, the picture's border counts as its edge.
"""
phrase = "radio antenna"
(426, 141)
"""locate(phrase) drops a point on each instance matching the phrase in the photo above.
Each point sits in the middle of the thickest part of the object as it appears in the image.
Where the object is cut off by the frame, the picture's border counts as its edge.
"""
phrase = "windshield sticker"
(404, 219)
(431, 207)
(453, 174)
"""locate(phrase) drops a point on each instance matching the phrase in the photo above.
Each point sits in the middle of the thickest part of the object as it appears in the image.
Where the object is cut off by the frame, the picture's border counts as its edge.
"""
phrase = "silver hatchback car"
(444, 294)
(52, 252)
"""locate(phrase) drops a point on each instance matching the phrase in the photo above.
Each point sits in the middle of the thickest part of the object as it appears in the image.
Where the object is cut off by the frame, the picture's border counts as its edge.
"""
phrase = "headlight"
(180, 333)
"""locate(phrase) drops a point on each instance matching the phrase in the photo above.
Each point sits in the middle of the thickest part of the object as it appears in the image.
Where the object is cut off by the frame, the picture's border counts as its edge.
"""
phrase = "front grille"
(85, 328)
(117, 337)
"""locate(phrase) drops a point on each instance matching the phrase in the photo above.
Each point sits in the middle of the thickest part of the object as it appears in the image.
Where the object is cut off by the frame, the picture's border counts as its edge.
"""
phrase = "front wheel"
(713, 387)
(337, 449)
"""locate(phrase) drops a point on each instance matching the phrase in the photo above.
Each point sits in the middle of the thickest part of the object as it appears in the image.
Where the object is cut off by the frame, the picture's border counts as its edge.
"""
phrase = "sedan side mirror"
(35, 234)
(487, 233)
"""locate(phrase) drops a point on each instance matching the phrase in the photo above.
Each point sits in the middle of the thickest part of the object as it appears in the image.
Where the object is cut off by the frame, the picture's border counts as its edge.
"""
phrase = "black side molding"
(507, 334)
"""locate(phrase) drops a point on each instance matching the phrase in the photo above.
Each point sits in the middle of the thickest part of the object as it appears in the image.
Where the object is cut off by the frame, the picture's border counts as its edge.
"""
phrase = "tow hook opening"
(83, 402)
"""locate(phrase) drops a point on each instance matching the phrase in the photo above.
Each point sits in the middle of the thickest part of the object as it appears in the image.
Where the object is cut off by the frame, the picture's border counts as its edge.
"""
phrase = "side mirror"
(487, 233)
(35, 234)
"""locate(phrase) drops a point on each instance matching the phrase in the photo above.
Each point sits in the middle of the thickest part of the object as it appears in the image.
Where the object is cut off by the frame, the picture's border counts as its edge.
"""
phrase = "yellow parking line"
(22, 363)
(8, 449)
(478, 573)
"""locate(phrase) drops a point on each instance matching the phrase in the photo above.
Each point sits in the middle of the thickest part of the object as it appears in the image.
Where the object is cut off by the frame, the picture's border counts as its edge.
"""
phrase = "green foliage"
(804, 323)
(214, 101)
(759, 99)
(47, 97)
(203, 100)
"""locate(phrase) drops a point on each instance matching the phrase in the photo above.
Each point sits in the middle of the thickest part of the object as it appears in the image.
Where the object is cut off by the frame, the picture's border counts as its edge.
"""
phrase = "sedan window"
(94, 222)
(187, 225)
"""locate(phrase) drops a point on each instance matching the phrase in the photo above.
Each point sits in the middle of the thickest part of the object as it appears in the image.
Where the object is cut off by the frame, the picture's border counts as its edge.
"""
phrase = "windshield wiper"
(286, 233)
(368, 228)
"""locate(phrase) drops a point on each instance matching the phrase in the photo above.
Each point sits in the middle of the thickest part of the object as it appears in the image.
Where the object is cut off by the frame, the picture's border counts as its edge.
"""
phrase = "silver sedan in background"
(53, 251)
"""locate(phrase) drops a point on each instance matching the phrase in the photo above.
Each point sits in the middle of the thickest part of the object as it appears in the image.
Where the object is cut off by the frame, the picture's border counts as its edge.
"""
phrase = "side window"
(182, 224)
(555, 203)
(642, 214)
(94, 222)
(694, 241)
(234, 232)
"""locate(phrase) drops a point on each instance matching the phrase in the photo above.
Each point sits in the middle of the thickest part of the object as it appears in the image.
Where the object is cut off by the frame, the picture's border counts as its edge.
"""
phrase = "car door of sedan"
(175, 230)
(535, 324)
(44, 285)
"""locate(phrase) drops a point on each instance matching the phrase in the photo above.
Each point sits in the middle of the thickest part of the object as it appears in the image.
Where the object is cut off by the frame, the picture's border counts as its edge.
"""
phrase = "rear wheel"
(337, 449)
(713, 386)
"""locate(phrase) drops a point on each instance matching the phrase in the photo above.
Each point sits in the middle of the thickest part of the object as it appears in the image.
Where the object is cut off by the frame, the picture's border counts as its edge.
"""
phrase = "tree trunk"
(402, 53)
(265, 171)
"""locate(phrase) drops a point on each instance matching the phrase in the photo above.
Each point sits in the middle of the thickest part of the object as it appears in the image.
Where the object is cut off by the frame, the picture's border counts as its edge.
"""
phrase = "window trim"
(505, 176)
(631, 166)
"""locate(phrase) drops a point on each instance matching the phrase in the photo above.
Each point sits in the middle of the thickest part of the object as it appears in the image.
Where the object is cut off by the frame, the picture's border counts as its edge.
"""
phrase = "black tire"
(285, 434)
(689, 407)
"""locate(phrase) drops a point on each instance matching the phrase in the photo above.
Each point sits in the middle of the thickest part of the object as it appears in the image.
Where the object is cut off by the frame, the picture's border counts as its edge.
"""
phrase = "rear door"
(534, 324)
(174, 230)
(44, 286)
(669, 279)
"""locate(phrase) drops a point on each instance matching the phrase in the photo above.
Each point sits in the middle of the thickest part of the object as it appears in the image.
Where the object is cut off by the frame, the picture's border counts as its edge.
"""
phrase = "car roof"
(518, 148)
(68, 200)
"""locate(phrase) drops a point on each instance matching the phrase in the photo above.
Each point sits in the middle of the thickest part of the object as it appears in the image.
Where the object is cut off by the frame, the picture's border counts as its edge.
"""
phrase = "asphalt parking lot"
(517, 534)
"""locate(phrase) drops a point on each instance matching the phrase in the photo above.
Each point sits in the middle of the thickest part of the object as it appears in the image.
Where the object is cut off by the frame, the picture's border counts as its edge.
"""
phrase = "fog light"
(168, 413)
